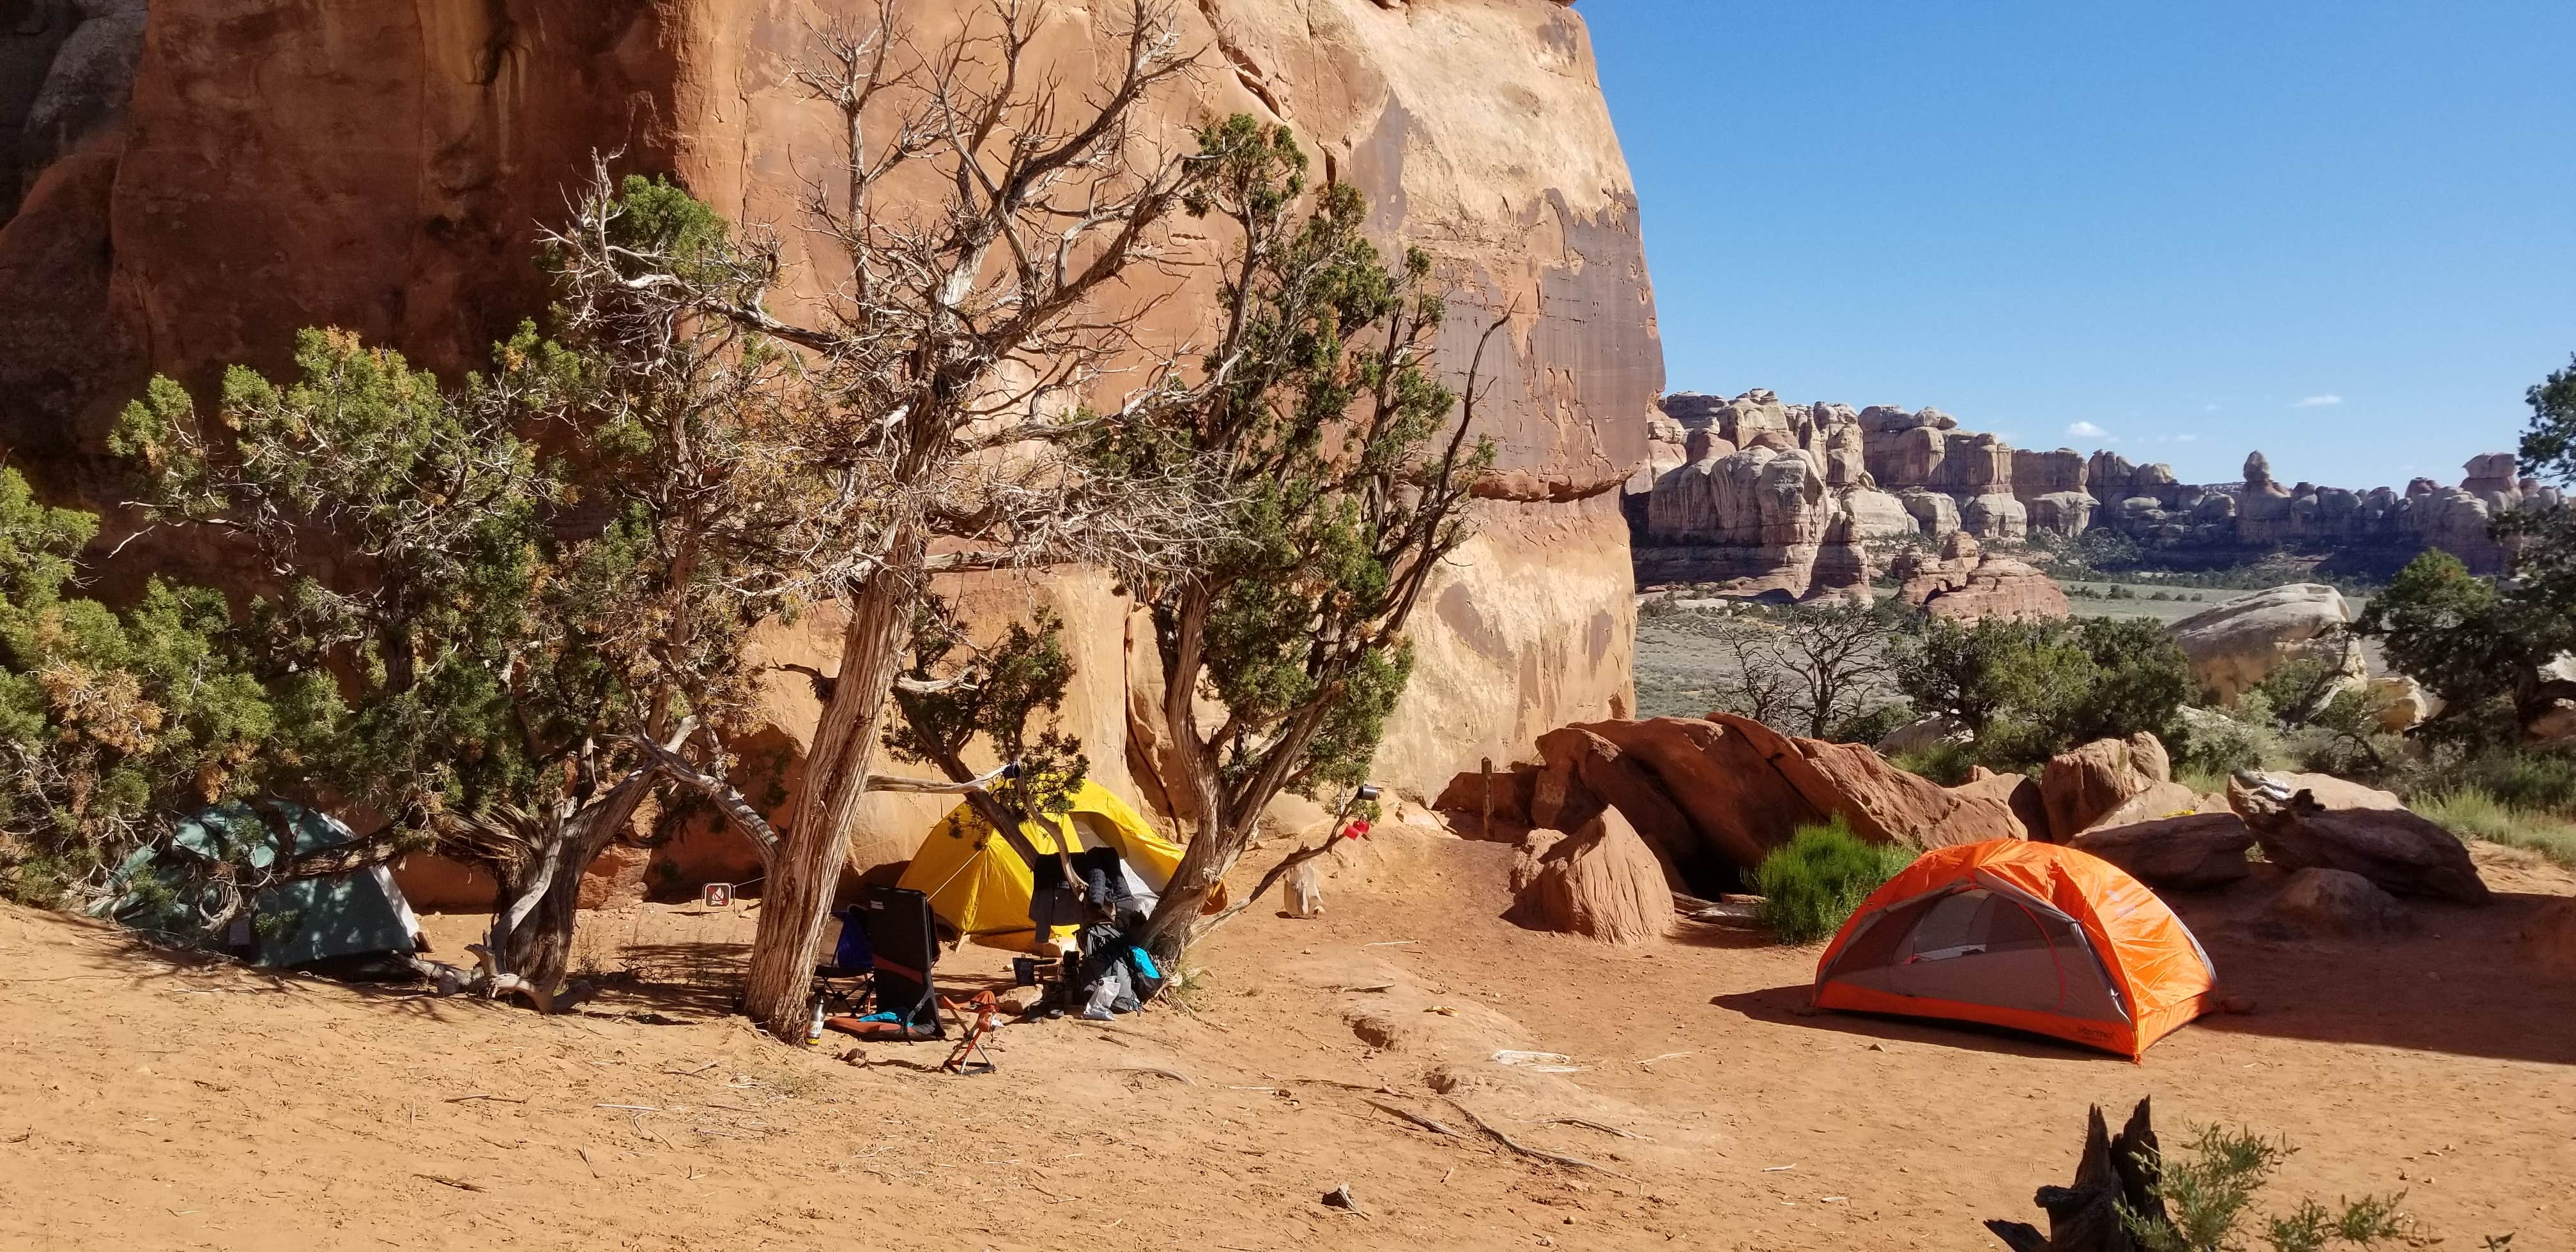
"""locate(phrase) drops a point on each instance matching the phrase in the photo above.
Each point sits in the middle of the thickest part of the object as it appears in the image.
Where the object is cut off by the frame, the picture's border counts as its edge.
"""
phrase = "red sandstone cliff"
(282, 163)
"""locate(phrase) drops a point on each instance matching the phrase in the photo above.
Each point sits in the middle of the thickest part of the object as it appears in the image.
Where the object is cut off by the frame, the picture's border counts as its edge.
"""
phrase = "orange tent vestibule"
(2031, 936)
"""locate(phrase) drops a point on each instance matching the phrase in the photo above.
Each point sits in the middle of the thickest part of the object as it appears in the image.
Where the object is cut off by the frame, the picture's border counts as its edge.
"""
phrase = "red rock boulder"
(1601, 882)
(2190, 853)
(2082, 786)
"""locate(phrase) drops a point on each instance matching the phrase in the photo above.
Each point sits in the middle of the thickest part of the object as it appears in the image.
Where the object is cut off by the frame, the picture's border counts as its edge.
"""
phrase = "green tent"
(357, 913)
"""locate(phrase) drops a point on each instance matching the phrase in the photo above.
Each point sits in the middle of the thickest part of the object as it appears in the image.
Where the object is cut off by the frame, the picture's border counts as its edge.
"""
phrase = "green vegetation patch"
(1810, 887)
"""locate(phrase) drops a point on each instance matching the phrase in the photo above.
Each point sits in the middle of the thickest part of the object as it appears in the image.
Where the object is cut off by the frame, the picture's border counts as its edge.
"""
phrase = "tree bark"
(797, 899)
(1215, 845)
(540, 949)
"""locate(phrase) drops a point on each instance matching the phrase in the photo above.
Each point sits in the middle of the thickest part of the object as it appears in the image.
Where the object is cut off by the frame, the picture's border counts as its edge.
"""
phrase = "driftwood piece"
(2114, 1172)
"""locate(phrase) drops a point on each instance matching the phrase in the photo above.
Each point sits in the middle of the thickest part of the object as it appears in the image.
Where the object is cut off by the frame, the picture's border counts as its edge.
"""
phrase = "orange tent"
(2032, 936)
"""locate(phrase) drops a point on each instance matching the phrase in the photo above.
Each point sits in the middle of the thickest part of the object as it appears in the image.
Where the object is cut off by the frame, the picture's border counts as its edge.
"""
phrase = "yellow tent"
(981, 887)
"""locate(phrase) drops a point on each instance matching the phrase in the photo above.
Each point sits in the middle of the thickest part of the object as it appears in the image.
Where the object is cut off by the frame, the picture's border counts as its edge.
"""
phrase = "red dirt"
(152, 1101)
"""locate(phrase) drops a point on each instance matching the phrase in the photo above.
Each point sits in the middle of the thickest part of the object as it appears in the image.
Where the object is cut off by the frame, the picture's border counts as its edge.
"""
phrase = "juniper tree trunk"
(1216, 844)
(540, 949)
(797, 899)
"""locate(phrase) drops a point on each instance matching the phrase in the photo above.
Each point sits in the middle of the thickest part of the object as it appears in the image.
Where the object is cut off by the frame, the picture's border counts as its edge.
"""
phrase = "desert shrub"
(2295, 691)
(2210, 1204)
(2213, 743)
(1810, 887)
(2472, 813)
(1947, 763)
(2029, 690)
(2525, 778)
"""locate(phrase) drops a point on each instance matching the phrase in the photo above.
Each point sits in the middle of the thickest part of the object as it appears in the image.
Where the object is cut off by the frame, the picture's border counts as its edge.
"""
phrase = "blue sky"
(2344, 234)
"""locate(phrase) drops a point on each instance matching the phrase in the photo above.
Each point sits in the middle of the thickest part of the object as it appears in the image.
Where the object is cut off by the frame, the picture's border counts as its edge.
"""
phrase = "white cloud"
(2186, 439)
(2318, 402)
(2087, 430)
(2209, 408)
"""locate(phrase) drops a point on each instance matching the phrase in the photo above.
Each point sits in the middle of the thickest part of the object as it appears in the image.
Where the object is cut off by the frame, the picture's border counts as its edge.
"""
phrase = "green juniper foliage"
(2478, 647)
(513, 578)
(2029, 690)
(1328, 432)
(112, 722)
(402, 529)
(1007, 692)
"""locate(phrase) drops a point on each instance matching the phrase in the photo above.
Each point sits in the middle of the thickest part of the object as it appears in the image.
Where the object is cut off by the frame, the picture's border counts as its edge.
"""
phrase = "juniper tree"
(1347, 466)
(960, 337)
(112, 722)
(529, 643)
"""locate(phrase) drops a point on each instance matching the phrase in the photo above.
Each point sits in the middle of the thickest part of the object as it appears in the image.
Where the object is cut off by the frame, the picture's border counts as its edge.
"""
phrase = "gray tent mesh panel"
(1973, 945)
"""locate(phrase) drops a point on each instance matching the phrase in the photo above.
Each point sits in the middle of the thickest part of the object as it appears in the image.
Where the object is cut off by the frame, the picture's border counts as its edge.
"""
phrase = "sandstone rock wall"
(282, 163)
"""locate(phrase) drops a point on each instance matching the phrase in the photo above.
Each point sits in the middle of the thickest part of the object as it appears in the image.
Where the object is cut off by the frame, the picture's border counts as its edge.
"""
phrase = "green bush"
(2214, 743)
(1810, 887)
(2524, 778)
(2030, 690)
(113, 721)
(1946, 763)
(2472, 813)
(2210, 1201)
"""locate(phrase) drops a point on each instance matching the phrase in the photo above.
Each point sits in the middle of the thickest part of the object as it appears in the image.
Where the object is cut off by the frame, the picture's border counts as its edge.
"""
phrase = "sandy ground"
(148, 1101)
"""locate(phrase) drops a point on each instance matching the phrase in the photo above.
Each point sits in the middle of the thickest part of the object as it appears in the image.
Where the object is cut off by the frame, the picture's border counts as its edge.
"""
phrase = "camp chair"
(845, 986)
(903, 944)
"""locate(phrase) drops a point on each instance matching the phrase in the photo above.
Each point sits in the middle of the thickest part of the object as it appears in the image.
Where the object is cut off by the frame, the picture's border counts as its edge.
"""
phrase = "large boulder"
(2158, 802)
(1510, 785)
(2081, 786)
(1601, 882)
(2176, 853)
(1608, 775)
(2392, 847)
(1743, 789)
(2232, 645)
(2018, 792)
(2337, 902)
(2400, 704)
(2326, 790)
(1881, 803)
(1923, 734)
(1740, 805)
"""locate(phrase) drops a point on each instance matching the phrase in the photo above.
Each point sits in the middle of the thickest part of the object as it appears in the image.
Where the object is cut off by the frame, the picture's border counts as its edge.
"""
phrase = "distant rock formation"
(1965, 584)
(1777, 498)
(2145, 503)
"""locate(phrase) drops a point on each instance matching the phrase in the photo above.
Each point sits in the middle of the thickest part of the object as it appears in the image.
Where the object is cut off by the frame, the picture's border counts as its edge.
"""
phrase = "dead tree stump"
(2114, 1172)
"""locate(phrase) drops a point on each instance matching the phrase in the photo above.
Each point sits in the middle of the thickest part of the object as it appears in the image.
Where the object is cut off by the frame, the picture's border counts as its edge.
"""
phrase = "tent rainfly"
(295, 922)
(980, 886)
(2030, 936)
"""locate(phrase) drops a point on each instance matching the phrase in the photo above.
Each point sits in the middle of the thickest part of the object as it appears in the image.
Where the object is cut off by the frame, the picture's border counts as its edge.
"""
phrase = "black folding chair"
(903, 941)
